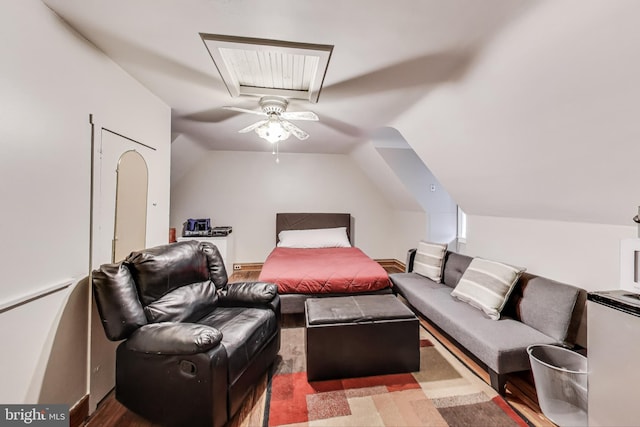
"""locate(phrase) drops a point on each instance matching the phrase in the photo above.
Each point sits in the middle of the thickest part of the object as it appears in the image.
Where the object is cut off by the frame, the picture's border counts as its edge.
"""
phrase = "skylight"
(250, 66)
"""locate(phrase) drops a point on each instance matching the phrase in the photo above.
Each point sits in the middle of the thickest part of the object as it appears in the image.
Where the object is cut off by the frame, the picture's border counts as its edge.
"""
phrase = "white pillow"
(486, 285)
(429, 260)
(314, 238)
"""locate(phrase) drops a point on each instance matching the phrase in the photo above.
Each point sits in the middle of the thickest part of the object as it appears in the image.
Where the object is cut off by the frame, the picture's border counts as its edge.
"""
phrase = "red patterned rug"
(443, 393)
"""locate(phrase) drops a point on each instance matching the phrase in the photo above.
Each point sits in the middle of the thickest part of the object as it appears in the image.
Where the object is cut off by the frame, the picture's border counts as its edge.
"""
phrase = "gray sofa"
(539, 311)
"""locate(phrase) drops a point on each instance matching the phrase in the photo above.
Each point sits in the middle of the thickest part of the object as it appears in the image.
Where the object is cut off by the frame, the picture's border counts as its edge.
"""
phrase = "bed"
(302, 270)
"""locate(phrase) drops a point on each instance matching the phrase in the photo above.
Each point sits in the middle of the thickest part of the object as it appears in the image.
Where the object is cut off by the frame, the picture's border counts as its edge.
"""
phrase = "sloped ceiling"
(520, 108)
(545, 125)
(385, 55)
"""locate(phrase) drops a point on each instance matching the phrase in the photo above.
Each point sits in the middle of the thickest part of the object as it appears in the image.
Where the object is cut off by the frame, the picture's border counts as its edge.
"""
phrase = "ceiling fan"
(276, 126)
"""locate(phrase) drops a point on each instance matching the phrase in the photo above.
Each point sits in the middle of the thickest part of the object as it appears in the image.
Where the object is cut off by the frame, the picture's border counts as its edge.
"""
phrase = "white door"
(108, 150)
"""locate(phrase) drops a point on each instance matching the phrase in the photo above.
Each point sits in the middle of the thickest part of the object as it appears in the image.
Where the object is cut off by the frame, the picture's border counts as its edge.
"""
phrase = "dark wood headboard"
(307, 221)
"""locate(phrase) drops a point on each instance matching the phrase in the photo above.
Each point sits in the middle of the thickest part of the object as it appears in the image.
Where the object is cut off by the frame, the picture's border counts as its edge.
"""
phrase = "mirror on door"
(131, 205)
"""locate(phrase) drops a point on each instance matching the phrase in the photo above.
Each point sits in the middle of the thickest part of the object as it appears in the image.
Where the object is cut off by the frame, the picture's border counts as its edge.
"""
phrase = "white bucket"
(560, 377)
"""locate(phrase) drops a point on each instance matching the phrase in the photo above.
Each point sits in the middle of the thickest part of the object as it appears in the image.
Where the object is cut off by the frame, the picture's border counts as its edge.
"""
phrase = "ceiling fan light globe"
(272, 132)
(276, 126)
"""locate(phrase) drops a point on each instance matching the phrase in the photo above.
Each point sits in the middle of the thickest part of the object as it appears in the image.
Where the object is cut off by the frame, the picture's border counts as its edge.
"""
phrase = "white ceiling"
(386, 56)
(520, 108)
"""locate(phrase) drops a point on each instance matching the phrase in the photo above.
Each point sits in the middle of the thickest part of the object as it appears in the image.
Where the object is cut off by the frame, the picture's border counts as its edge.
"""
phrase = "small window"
(462, 225)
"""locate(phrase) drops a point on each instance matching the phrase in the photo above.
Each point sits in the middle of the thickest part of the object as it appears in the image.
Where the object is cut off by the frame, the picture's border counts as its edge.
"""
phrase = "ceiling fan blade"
(342, 127)
(244, 110)
(429, 69)
(299, 115)
(253, 126)
(295, 130)
(212, 115)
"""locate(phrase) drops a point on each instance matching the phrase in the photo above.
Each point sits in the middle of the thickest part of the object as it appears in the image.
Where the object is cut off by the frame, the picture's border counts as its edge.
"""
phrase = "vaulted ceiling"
(385, 55)
(520, 108)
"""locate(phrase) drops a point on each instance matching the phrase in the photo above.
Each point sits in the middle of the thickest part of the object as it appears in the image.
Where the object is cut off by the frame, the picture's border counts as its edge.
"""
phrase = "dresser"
(225, 245)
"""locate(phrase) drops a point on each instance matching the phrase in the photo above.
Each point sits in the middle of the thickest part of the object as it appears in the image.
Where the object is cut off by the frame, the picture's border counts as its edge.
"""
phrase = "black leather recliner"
(194, 345)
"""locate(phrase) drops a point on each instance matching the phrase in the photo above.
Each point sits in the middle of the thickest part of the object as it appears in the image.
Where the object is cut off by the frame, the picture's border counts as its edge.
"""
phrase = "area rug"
(443, 393)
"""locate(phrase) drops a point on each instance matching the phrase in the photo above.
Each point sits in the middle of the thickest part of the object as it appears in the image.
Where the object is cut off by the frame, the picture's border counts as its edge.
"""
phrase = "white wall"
(440, 207)
(408, 228)
(583, 254)
(371, 163)
(51, 80)
(247, 189)
(418, 180)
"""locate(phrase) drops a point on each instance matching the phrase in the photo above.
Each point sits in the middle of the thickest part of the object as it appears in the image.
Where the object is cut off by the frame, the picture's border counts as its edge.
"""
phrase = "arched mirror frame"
(130, 226)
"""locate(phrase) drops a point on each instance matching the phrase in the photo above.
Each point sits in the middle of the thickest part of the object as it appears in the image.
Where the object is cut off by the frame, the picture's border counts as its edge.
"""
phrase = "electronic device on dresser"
(197, 227)
(221, 231)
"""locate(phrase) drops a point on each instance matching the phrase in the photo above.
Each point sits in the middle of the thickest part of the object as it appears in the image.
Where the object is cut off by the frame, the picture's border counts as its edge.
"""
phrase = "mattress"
(323, 270)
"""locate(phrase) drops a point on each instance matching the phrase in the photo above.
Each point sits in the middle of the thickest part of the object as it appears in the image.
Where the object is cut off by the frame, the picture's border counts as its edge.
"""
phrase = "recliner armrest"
(249, 293)
(174, 338)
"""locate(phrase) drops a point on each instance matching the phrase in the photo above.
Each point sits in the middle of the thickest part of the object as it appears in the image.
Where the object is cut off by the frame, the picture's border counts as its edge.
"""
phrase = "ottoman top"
(355, 309)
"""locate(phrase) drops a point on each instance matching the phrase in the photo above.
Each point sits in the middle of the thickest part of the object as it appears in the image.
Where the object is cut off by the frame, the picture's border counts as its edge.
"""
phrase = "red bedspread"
(324, 270)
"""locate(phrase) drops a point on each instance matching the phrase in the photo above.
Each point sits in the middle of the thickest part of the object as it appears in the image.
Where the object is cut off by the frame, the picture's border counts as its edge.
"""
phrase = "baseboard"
(79, 412)
(248, 266)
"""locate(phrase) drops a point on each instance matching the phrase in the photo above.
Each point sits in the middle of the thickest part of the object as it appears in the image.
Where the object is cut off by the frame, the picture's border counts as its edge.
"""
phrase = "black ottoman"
(358, 336)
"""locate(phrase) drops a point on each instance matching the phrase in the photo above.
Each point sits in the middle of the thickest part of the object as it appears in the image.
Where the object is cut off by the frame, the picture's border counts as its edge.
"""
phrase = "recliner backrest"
(177, 282)
(159, 270)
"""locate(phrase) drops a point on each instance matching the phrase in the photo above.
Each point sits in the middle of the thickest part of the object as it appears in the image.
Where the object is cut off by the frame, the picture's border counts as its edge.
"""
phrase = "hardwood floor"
(521, 393)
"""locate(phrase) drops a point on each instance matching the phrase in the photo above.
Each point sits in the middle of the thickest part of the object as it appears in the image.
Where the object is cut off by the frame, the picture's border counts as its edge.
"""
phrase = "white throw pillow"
(486, 285)
(314, 238)
(429, 260)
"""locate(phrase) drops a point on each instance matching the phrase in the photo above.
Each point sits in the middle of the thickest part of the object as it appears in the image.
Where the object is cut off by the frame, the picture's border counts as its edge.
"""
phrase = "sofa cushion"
(454, 266)
(429, 260)
(487, 285)
(407, 282)
(501, 345)
(553, 308)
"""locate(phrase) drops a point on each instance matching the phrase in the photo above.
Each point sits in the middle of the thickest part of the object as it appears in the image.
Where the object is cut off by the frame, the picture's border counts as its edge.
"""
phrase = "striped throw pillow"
(487, 285)
(429, 260)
